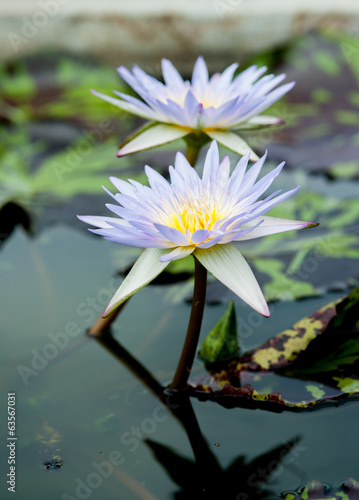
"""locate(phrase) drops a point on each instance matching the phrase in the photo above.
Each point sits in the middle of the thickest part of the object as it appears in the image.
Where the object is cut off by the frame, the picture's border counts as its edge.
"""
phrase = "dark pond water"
(86, 425)
(77, 401)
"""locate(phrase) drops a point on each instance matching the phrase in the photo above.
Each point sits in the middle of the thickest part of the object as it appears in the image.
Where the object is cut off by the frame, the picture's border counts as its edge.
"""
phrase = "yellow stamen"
(194, 217)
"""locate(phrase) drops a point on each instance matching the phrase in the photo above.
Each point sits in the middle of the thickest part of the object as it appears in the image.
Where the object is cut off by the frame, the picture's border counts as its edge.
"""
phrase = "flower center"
(206, 99)
(193, 217)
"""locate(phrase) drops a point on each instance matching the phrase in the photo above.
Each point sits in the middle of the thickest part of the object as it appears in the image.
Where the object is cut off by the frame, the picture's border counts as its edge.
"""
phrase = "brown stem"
(194, 328)
(102, 325)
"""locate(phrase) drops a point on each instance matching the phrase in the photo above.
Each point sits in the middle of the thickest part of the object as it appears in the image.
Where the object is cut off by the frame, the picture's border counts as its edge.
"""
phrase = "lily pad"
(314, 363)
(315, 489)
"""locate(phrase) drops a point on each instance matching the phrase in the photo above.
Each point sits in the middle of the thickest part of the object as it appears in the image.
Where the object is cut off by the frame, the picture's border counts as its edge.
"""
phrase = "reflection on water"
(118, 438)
(202, 477)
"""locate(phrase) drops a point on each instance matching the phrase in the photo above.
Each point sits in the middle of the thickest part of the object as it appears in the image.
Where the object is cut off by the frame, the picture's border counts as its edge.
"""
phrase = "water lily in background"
(201, 109)
(207, 217)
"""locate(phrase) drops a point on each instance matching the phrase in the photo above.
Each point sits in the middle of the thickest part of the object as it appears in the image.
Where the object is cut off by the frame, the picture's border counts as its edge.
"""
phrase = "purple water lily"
(205, 216)
(214, 106)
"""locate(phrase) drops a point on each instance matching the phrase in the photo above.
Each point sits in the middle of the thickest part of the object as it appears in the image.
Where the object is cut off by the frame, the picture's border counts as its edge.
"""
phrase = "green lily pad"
(316, 362)
(315, 489)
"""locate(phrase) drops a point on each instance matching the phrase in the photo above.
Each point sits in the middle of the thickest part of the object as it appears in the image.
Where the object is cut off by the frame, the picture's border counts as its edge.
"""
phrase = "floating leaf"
(222, 342)
(336, 352)
(349, 490)
(313, 363)
(281, 286)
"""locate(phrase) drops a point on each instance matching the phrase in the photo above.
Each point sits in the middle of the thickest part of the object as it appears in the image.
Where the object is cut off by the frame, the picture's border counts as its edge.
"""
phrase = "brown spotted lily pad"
(313, 363)
(349, 490)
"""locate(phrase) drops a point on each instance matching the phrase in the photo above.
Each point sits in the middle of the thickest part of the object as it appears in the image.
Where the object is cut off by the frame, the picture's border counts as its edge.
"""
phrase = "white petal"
(191, 109)
(246, 78)
(156, 180)
(199, 76)
(233, 142)
(146, 110)
(186, 171)
(261, 186)
(238, 174)
(99, 221)
(145, 269)
(221, 82)
(211, 165)
(125, 106)
(228, 265)
(271, 202)
(170, 74)
(272, 97)
(251, 176)
(173, 235)
(266, 120)
(122, 186)
(177, 253)
(148, 82)
(273, 225)
(154, 136)
(201, 235)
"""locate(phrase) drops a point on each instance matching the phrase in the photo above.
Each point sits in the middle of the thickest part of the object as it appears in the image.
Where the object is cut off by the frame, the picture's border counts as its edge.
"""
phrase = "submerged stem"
(194, 328)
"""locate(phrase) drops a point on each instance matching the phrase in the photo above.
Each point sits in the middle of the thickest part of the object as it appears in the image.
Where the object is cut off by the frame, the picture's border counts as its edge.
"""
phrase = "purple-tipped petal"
(213, 105)
(201, 215)
(274, 225)
(228, 265)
